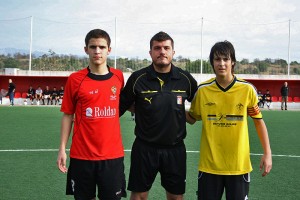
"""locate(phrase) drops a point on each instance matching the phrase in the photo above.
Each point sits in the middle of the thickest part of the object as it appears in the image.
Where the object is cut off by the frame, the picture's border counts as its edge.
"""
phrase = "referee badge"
(179, 100)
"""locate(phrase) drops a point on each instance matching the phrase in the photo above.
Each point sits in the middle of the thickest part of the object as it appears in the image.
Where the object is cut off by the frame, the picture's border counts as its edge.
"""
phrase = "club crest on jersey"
(239, 107)
(114, 91)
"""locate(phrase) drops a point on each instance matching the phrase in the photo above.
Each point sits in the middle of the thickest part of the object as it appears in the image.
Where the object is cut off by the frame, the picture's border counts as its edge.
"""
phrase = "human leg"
(111, 179)
(143, 170)
(81, 180)
(174, 196)
(237, 186)
(285, 102)
(31, 99)
(210, 186)
(11, 98)
(268, 104)
(173, 171)
(139, 195)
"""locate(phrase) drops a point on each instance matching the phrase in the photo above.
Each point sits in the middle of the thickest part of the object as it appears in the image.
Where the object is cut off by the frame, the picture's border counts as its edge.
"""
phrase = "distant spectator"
(38, 95)
(11, 91)
(54, 96)
(3, 93)
(261, 101)
(268, 98)
(30, 94)
(284, 95)
(46, 95)
(61, 94)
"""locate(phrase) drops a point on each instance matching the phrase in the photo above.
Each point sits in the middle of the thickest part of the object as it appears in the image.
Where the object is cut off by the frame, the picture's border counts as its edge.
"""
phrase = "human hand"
(266, 164)
(61, 161)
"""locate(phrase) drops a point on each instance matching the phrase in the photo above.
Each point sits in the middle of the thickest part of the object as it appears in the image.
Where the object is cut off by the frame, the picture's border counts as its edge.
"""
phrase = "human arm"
(65, 131)
(14, 88)
(131, 108)
(193, 90)
(127, 97)
(266, 160)
(189, 118)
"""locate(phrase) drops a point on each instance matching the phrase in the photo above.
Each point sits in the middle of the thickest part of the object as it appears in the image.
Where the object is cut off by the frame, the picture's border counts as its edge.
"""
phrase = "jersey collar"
(228, 87)
(99, 77)
(151, 74)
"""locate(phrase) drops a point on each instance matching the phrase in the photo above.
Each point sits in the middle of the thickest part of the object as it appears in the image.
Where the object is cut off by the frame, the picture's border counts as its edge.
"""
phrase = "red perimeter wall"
(23, 82)
(275, 85)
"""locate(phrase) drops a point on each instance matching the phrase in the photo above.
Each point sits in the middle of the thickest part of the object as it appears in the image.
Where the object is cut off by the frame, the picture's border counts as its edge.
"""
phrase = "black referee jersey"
(159, 104)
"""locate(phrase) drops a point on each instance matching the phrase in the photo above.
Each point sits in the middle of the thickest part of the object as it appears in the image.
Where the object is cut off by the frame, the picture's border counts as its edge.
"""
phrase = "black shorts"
(148, 160)
(84, 175)
(211, 186)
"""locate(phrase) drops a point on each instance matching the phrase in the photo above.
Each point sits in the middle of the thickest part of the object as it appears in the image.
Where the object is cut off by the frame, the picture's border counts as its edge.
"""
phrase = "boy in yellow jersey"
(223, 104)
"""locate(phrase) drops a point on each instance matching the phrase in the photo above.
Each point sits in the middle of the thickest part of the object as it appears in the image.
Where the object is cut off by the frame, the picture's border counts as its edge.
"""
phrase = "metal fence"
(193, 39)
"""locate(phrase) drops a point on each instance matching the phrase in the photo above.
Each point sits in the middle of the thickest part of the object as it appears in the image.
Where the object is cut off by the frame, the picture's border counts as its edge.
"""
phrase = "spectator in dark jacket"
(284, 95)
(11, 91)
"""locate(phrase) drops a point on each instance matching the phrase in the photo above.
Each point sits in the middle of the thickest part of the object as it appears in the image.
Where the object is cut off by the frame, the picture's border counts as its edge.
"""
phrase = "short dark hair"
(222, 48)
(97, 33)
(161, 36)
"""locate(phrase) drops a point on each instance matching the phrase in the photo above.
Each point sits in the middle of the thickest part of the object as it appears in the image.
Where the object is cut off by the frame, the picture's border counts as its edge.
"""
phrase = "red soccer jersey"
(94, 99)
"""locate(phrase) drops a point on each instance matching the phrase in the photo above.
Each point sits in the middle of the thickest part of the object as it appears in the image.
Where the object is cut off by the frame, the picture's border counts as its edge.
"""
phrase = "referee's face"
(98, 51)
(162, 54)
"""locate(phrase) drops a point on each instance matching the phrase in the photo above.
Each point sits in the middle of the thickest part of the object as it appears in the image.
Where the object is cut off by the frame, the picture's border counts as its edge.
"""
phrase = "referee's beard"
(162, 66)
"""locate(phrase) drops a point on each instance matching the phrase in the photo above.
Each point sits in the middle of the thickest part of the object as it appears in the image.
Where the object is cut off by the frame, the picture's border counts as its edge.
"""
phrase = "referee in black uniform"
(158, 93)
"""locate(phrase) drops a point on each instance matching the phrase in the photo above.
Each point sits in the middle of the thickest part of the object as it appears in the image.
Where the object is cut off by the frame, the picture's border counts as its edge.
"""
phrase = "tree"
(268, 60)
(207, 68)
(10, 63)
(294, 63)
(1, 64)
(281, 62)
(256, 61)
(296, 71)
(244, 61)
(262, 66)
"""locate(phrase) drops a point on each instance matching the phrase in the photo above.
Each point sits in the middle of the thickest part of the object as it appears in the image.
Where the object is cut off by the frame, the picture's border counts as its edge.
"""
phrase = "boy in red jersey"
(91, 101)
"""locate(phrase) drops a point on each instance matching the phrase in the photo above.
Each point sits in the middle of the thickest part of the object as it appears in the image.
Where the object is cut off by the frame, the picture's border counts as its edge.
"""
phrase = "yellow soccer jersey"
(224, 146)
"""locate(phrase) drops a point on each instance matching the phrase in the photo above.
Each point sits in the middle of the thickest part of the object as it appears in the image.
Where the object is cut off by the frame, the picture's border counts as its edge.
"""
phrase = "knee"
(139, 196)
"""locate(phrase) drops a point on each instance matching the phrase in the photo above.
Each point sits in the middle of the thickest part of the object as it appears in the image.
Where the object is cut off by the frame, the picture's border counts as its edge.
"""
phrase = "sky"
(257, 28)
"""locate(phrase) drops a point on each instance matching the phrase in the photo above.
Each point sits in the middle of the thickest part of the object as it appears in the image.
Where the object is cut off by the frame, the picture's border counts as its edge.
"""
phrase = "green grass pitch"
(29, 138)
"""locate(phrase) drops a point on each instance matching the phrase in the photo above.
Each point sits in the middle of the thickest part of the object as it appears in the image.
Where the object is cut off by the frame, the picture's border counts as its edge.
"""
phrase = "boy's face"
(222, 65)
(98, 51)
